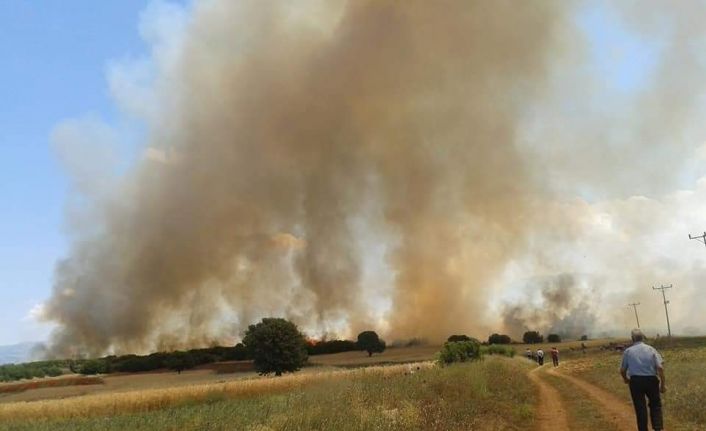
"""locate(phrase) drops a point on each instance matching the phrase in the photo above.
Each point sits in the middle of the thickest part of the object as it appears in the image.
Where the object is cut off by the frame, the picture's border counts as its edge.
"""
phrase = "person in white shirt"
(640, 367)
(540, 356)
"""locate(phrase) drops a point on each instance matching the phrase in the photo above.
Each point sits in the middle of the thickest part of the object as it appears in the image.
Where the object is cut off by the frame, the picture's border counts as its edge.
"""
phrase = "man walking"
(555, 356)
(640, 367)
(540, 357)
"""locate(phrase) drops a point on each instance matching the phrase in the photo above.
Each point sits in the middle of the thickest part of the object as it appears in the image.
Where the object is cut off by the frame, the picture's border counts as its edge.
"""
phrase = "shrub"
(370, 342)
(459, 351)
(495, 349)
(180, 361)
(94, 366)
(554, 338)
(532, 337)
(54, 371)
(499, 339)
(331, 346)
(240, 352)
(276, 346)
(584, 338)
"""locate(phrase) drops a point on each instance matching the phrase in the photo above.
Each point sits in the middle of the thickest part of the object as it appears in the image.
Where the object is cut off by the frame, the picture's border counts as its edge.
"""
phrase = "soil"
(614, 409)
(551, 414)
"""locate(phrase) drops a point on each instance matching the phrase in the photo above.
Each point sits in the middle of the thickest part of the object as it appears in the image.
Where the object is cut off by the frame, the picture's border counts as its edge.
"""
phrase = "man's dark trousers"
(641, 387)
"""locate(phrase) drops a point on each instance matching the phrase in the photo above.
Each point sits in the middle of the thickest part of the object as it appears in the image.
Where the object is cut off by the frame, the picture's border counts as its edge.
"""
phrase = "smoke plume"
(284, 144)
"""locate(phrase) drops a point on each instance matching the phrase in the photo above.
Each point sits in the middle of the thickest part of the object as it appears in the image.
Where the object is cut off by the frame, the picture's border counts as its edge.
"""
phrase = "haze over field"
(419, 168)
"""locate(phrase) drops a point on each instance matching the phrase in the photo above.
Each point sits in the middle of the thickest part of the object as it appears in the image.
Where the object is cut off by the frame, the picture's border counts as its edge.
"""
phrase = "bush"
(331, 346)
(495, 349)
(532, 337)
(370, 342)
(457, 338)
(240, 353)
(584, 338)
(499, 339)
(180, 361)
(459, 351)
(554, 338)
(276, 346)
(94, 366)
(54, 371)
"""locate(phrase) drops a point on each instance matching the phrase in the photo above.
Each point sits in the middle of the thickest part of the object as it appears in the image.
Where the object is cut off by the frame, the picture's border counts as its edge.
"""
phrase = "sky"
(58, 57)
(55, 55)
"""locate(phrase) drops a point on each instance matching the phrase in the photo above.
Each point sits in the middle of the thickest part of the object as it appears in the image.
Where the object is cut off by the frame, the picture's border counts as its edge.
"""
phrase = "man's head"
(637, 335)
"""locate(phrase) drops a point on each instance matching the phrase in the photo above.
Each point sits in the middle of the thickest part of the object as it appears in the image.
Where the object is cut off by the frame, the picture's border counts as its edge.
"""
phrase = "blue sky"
(55, 54)
(54, 59)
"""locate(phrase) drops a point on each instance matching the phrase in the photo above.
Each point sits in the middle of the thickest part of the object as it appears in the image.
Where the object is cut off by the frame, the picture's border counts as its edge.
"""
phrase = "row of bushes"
(458, 349)
(324, 347)
(31, 370)
(178, 361)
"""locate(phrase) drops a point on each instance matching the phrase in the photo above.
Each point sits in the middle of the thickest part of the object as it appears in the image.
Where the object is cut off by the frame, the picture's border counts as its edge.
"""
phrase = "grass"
(686, 381)
(583, 413)
(494, 394)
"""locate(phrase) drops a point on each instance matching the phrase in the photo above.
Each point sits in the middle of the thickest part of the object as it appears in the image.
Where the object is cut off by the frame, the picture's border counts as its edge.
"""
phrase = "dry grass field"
(350, 391)
(685, 367)
(227, 372)
(494, 394)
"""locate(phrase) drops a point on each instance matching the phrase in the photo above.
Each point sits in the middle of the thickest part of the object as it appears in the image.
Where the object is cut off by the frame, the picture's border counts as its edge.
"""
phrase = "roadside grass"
(583, 413)
(685, 400)
(494, 394)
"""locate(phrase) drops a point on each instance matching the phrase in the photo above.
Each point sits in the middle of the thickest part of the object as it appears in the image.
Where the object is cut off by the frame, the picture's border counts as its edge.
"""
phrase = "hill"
(17, 353)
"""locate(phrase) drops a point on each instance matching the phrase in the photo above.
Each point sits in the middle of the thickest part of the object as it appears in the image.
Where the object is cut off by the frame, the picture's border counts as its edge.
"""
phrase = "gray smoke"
(286, 143)
(553, 305)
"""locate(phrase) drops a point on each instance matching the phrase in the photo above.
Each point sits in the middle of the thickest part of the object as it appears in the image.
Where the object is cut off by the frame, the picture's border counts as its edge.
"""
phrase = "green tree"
(499, 339)
(180, 361)
(554, 338)
(459, 351)
(532, 337)
(370, 342)
(94, 366)
(455, 338)
(276, 346)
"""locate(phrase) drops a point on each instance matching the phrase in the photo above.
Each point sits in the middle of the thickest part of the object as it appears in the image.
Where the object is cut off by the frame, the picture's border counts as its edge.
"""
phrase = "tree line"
(274, 345)
(267, 344)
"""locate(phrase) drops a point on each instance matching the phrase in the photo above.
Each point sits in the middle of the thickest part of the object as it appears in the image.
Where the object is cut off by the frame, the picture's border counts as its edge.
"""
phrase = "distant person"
(555, 356)
(528, 354)
(540, 357)
(640, 367)
(583, 348)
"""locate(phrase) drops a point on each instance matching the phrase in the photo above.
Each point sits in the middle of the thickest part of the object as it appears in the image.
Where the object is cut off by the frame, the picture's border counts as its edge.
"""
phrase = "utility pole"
(634, 306)
(701, 238)
(666, 312)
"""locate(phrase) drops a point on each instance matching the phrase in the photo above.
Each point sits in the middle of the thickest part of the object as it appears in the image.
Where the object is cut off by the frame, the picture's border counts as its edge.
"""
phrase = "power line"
(634, 306)
(666, 312)
(701, 238)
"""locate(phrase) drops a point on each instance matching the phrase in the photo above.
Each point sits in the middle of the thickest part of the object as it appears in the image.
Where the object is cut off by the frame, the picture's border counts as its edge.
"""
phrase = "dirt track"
(551, 414)
(615, 410)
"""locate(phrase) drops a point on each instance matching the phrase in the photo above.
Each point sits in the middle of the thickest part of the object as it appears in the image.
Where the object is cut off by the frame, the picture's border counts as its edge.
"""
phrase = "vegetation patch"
(686, 381)
(483, 395)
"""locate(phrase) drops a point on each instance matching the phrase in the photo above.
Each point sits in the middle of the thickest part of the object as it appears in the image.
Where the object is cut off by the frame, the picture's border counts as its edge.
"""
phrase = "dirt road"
(615, 410)
(551, 414)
